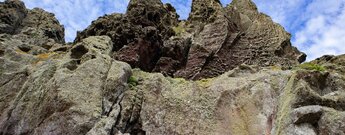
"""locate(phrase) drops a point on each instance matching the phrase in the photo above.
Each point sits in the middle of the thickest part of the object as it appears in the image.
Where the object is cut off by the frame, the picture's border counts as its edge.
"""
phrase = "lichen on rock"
(225, 70)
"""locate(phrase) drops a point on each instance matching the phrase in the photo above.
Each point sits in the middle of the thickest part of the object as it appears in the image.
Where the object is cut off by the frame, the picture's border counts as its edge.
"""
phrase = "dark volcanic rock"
(142, 53)
(12, 12)
(205, 11)
(174, 56)
(220, 38)
(44, 25)
(244, 36)
(24, 32)
(29, 24)
(138, 35)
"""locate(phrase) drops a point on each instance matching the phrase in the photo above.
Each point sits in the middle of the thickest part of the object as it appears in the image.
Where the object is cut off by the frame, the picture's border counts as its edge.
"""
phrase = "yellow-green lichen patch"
(333, 115)
(311, 66)
(179, 29)
(243, 117)
(276, 68)
(20, 51)
(45, 56)
(204, 83)
(285, 102)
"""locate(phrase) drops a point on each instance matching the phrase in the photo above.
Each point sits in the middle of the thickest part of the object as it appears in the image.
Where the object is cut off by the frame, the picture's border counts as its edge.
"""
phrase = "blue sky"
(317, 26)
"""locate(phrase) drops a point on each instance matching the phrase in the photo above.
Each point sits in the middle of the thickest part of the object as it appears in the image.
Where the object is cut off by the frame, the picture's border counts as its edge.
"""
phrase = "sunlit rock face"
(212, 41)
(226, 71)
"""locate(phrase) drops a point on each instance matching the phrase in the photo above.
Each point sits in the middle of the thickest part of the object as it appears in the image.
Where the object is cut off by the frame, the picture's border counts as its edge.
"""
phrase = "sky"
(317, 26)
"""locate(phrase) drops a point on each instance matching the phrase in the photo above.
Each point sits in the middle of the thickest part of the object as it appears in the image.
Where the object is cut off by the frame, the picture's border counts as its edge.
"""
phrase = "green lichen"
(204, 82)
(311, 66)
(285, 104)
(276, 68)
(35, 34)
(332, 115)
(132, 81)
(180, 80)
(179, 29)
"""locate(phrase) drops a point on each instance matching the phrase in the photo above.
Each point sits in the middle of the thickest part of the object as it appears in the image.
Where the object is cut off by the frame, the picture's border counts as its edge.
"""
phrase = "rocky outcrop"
(29, 24)
(205, 11)
(76, 88)
(12, 14)
(138, 35)
(220, 39)
(28, 31)
(51, 88)
(239, 35)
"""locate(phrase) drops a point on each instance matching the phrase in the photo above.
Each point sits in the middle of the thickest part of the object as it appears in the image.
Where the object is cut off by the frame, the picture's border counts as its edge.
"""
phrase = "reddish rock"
(149, 37)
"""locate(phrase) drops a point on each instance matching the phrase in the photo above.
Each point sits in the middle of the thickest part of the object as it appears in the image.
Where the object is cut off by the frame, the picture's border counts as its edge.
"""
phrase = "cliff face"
(212, 41)
(238, 74)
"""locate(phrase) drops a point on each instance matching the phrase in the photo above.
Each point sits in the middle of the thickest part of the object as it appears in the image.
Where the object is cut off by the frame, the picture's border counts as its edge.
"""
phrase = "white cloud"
(324, 30)
(76, 15)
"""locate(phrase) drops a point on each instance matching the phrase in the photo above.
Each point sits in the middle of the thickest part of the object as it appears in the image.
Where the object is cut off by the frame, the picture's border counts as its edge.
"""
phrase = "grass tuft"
(311, 66)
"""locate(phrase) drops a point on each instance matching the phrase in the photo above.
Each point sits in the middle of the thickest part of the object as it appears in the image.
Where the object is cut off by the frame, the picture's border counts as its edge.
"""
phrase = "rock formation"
(200, 47)
(239, 75)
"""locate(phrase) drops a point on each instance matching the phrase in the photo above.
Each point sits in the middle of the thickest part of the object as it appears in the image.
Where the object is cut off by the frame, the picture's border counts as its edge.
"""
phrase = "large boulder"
(67, 95)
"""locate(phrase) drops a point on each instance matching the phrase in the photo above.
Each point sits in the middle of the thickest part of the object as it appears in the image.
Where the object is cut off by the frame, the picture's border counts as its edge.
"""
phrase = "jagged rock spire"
(244, 4)
(245, 7)
(143, 3)
(204, 10)
(151, 11)
(12, 13)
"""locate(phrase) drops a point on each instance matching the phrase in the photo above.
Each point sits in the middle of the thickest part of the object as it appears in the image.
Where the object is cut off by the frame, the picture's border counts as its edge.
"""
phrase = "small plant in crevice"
(132, 81)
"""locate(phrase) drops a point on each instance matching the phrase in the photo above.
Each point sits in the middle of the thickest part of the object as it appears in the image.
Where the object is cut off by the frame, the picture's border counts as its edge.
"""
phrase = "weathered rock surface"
(238, 35)
(51, 88)
(138, 35)
(220, 38)
(34, 25)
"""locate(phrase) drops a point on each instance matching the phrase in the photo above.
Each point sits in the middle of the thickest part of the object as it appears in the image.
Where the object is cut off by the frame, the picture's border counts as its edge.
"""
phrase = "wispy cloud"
(324, 30)
(317, 26)
(76, 15)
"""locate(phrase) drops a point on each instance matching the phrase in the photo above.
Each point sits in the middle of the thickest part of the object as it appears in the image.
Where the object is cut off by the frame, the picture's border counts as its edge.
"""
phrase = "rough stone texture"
(43, 25)
(205, 11)
(220, 38)
(138, 35)
(243, 36)
(67, 95)
(27, 36)
(333, 63)
(36, 25)
(51, 88)
(12, 12)
(245, 100)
